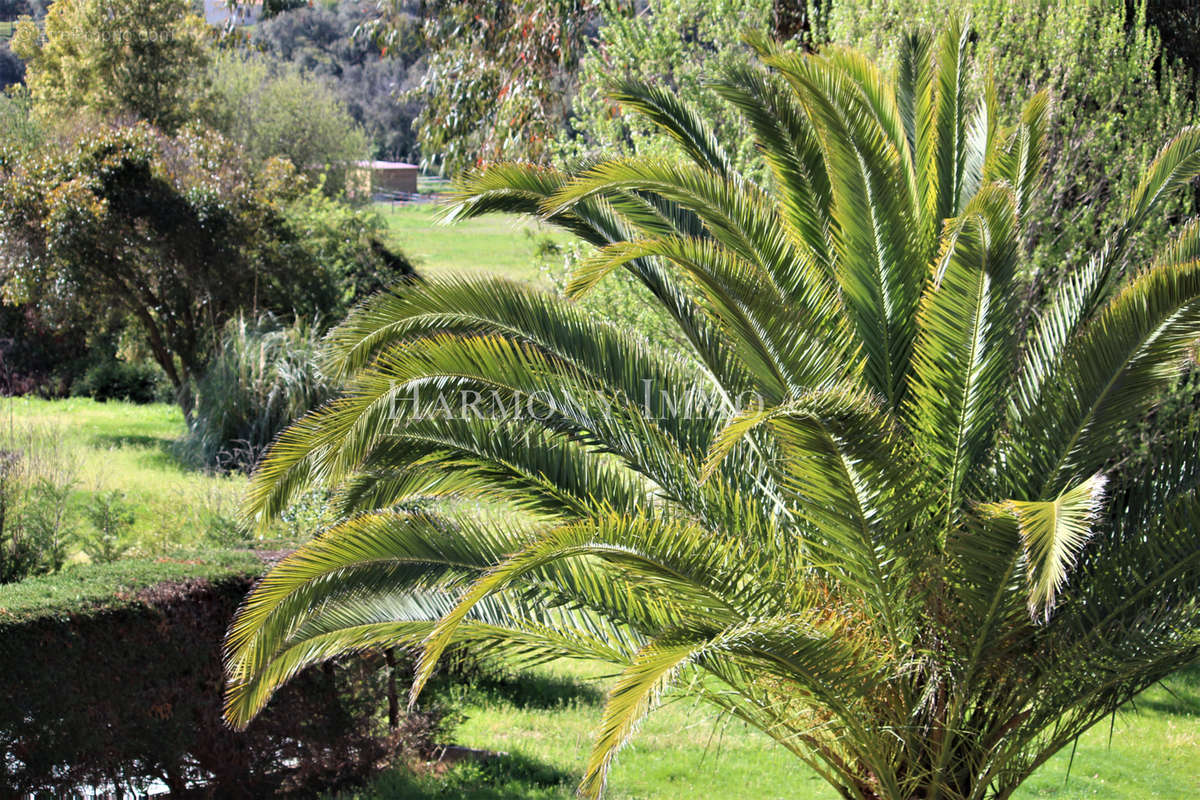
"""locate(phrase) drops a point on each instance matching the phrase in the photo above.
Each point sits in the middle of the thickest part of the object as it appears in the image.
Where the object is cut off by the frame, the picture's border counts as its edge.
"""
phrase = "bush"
(111, 517)
(272, 109)
(347, 242)
(121, 380)
(1113, 102)
(680, 44)
(263, 376)
(126, 692)
(37, 522)
(321, 40)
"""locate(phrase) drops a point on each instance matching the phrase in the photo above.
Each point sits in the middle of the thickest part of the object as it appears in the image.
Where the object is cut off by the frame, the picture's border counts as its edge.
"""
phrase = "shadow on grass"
(162, 451)
(530, 690)
(1178, 694)
(135, 440)
(508, 777)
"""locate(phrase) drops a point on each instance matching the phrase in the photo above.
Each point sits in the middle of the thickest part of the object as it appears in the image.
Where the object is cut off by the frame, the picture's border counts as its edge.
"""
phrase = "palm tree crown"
(869, 511)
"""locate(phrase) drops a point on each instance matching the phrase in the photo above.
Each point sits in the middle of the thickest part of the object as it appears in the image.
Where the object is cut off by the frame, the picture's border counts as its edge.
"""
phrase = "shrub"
(273, 109)
(680, 44)
(112, 379)
(1113, 102)
(184, 216)
(323, 41)
(37, 521)
(125, 690)
(263, 376)
(347, 242)
(111, 518)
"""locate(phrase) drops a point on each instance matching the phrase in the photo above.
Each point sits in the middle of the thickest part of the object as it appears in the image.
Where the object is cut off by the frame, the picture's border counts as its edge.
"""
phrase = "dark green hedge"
(124, 689)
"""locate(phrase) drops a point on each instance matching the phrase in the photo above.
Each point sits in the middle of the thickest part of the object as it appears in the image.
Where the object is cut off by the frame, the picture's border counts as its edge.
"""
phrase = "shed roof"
(386, 165)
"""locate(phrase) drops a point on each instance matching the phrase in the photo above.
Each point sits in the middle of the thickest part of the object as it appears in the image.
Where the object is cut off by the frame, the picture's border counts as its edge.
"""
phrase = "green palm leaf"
(870, 509)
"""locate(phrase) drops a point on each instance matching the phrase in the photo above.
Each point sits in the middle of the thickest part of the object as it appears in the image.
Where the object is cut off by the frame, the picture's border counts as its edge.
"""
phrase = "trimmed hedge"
(124, 691)
(86, 588)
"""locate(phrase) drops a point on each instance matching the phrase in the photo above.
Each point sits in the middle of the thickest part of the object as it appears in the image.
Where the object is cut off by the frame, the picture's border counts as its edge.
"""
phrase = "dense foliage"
(263, 376)
(37, 525)
(498, 76)
(109, 57)
(323, 42)
(678, 44)
(274, 110)
(178, 233)
(867, 512)
(123, 689)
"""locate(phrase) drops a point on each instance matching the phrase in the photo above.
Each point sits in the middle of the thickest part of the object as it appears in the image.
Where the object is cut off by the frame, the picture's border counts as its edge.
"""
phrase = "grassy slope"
(129, 448)
(503, 243)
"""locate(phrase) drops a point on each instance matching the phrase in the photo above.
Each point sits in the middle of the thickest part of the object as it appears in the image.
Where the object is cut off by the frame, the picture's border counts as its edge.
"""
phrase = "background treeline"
(163, 182)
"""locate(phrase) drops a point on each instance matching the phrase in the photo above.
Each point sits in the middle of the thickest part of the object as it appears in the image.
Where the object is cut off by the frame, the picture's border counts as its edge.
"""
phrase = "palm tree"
(872, 509)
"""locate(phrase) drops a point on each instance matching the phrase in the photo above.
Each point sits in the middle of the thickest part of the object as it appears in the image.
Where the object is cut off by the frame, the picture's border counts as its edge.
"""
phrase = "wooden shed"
(390, 176)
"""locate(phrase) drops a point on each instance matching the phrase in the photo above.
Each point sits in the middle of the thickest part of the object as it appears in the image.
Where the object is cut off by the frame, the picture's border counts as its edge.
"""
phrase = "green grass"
(503, 243)
(80, 587)
(131, 449)
(6, 29)
(544, 722)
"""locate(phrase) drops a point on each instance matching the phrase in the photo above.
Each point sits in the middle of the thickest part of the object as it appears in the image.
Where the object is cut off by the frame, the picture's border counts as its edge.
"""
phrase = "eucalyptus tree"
(884, 526)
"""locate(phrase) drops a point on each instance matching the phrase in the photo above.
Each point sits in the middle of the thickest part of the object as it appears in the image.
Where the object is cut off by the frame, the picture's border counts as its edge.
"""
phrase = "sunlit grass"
(500, 243)
(544, 720)
(131, 449)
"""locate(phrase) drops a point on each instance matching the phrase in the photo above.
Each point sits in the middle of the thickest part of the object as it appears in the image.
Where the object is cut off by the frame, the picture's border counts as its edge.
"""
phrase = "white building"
(231, 13)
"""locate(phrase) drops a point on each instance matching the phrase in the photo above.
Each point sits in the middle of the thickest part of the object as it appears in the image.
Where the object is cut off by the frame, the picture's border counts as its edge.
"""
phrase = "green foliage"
(273, 109)
(176, 234)
(111, 517)
(678, 45)
(498, 76)
(322, 40)
(348, 243)
(49, 521)
(18, 129)
(263, 377)
(1113, 103)
(869, 507)
(37, 522)
(122, 380)
(114, 57)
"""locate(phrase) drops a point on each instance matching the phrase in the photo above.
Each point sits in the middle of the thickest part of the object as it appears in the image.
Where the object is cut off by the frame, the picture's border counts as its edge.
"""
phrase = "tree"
(869, 515)
(272, 109)
(178, 233)
(678, 44)
(116, 57)
(324, 41)
(499, 76)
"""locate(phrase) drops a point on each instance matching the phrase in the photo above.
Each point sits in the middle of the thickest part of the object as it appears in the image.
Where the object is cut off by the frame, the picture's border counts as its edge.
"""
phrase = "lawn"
(131, 449)
(543, 721)
(504, 243)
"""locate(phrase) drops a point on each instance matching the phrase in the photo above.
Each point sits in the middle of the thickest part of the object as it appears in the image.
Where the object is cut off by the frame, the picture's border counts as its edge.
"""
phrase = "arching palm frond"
(871, 509)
